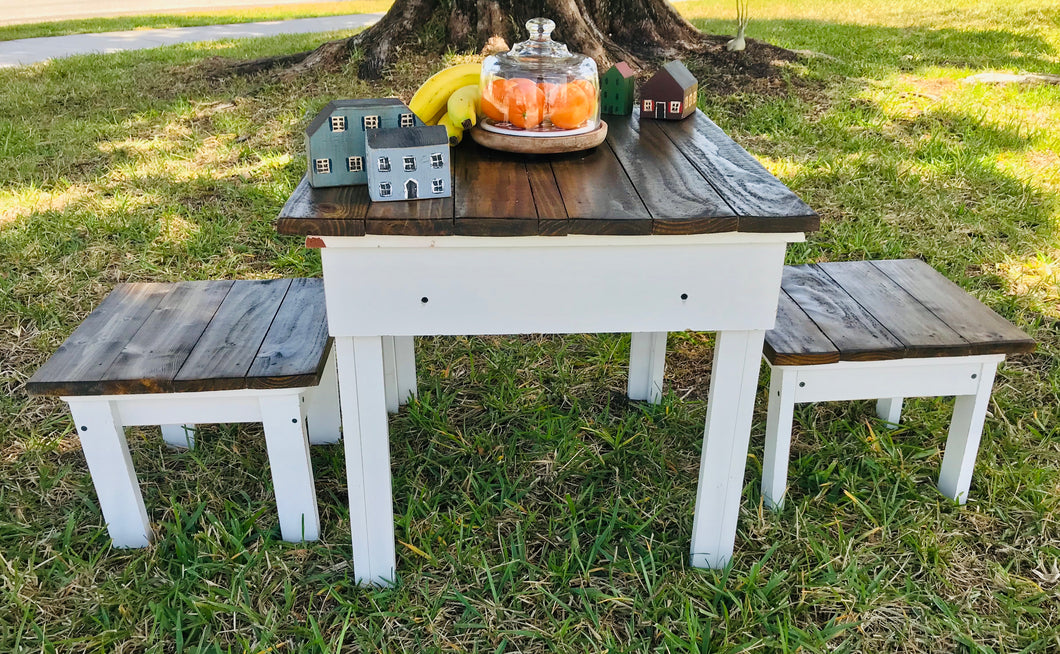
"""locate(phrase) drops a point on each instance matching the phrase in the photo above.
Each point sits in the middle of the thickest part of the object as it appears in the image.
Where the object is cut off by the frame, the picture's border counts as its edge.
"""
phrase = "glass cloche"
(539, 88)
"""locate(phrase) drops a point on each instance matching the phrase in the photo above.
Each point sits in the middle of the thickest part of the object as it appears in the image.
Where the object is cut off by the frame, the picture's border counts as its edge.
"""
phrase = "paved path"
(28, 51)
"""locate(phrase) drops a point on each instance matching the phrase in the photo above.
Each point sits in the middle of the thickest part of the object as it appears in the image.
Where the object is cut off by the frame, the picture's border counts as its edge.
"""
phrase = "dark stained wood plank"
(853, 330)
(761, 201)
(984, 330)
(597, 194)
(153, 356)
(334, 208)
(680, 200)
(796, 340)
(491, 194)
(439, 227)
(224, 353)
(295, 348)
(81, 360)
(551, 213)
(435, 209)
(921, 332)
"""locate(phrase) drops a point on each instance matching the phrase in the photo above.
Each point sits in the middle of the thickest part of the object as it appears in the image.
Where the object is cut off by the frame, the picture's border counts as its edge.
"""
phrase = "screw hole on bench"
(84, 428)
(684, 296)
(974, 375)
(802, 384)
(424, 299)
(294, 420)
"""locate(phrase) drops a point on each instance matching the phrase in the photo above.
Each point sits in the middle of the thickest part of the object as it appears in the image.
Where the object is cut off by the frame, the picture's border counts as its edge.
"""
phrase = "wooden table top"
(193, 336)
(649, 177)
(878, 310)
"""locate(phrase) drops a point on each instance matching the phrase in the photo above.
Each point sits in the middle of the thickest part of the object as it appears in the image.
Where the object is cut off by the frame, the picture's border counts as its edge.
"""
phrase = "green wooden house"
(616, 90)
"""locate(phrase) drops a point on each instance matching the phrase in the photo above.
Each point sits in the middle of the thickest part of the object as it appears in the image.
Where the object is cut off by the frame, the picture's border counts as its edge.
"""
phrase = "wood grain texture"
(551, 212)
(296, 346)
(761, 201)
(795, 339)
(331, 208)
(598, 195)
(224, 353)
(492, 194)
(680, 199)
(87, 353)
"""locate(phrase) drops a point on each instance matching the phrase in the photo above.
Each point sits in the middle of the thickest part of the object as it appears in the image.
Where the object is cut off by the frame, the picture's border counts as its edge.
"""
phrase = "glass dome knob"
(540, 28)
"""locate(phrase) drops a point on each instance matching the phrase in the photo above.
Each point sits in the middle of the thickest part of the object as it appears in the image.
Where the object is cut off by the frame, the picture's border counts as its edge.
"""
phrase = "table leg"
(647, 359)
(179, 436)
(107, 453)
(733, 384)
(405, 353)
(367, 445)
(322, 407)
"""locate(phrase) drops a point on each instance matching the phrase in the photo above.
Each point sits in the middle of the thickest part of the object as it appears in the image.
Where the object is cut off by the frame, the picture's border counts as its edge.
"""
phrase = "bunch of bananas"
(450, 98)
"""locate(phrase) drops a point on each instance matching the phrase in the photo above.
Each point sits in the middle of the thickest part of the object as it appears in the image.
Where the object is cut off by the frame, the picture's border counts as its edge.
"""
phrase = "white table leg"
(292, 472)
(733, 383)
(647, 360)
(367, 445)
(322, 406)
(405, 353)
(889, 410)
(966, 430)
(779, 417)
(107, 453)
(390, 375)
(181, 437)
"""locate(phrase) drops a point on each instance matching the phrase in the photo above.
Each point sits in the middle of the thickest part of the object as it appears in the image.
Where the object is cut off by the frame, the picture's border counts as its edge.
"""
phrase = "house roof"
(680, 74)
(407, 137)
(359, 103)
(623, 69)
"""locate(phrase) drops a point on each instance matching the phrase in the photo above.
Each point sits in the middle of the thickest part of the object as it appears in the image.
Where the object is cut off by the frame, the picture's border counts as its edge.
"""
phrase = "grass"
(191, 19)
(538, 510)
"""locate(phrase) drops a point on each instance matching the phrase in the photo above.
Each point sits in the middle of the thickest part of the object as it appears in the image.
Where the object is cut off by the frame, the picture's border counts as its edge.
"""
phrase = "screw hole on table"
(424, 299)
(84, 428)
(974, 375)
(684, 296)
(802, 384)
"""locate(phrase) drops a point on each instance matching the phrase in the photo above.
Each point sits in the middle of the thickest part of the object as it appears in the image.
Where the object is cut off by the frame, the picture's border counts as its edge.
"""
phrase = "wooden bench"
(200, 352)
(882, 330)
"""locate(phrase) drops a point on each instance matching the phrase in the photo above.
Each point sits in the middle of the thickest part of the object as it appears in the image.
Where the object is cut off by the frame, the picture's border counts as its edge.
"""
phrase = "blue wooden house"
(408, 164)
(335, 139)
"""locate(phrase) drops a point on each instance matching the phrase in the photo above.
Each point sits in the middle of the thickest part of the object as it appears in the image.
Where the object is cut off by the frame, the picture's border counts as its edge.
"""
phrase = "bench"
(178, 354)
(883, 330)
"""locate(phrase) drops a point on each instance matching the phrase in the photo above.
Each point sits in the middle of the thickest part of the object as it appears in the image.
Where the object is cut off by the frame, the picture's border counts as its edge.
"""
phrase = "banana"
(431, 98)
(455, 131)
(463, 106)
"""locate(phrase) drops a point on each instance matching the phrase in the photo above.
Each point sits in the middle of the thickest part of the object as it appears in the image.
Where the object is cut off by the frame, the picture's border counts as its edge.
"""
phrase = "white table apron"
(378, 287)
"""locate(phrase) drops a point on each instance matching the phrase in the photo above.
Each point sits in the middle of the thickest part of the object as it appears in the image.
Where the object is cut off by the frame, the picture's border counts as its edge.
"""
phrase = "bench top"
(649, 177)
(876, 310)
(194, 336)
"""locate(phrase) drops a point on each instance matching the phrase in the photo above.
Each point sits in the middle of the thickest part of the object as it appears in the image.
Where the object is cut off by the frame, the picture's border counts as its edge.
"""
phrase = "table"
(667, 226)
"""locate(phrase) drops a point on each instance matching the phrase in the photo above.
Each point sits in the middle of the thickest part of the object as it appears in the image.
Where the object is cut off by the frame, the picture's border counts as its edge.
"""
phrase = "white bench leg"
(322, 406)
(962, 445)
(889, 410)
(390, 375)
(107, 453)
(405, 353)
(367, 447)
(647, 360)
(292, 472)
(779, 417)
(733, 382)
(181, 437)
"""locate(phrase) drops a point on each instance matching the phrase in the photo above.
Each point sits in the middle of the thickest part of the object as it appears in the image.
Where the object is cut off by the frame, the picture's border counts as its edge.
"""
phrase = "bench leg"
(292, 472)
(107, 454)
(322, 406)
(889, 410)
(367, 447)
(390, 375)
(647, 359)
(779, 417)
(405, 353)
(733, 382)
(181, 437)
(962, 445)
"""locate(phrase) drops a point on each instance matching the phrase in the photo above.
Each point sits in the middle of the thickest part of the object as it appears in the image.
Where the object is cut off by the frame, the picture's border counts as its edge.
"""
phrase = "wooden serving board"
(539, 144)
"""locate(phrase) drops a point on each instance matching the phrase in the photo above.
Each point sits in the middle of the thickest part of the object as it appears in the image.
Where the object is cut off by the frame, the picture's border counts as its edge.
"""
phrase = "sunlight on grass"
(1037, 280)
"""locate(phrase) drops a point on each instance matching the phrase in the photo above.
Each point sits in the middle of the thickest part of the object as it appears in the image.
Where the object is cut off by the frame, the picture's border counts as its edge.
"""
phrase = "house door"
(660, 110)
(410, 189)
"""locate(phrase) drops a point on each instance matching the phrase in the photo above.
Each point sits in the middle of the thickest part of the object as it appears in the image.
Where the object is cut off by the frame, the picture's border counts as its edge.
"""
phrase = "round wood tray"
(539, 144)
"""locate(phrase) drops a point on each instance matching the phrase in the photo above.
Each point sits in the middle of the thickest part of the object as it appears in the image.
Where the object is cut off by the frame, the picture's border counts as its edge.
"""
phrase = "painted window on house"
(370, 122)
(322, 166)
(384, 189)
(384, 164)
(675, 107)
(354, 164)
(409, 163)
(436, 185)
(338, 123)
(647, 106)
(406, 120)
(436, 160)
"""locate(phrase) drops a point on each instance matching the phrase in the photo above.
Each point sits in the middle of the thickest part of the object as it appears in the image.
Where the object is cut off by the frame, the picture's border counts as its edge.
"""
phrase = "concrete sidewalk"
(29, 51)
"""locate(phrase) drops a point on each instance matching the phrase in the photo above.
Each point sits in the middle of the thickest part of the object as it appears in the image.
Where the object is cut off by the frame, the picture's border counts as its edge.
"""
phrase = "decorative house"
(616, 90)
(670, 94)
(335, 143)
(408, 164)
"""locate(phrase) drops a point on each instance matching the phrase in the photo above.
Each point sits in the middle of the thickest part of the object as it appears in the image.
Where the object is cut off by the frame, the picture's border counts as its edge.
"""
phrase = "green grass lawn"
(191, 19)
(537, 509)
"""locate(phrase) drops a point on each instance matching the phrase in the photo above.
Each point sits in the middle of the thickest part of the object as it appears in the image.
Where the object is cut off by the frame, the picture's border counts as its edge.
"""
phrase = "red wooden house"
(670, 94)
